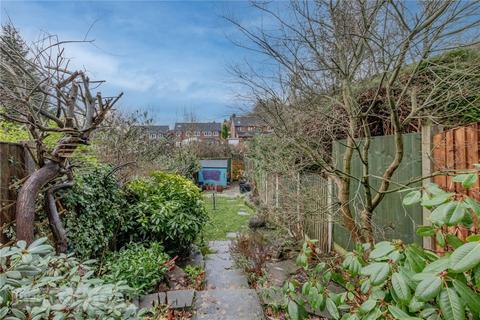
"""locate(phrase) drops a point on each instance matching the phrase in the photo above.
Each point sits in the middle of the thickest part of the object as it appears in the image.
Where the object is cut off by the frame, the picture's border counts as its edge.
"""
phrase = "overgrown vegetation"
(96, 215)
(354, 70)
(196, 276)
(36, 284)
(167, 208)
(140, 266)
(394, 280)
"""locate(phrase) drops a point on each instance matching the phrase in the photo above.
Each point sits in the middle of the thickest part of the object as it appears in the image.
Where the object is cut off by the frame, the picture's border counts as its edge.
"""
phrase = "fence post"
(266, 189)
(330, 213)
(300, 222)
(276, 190)
(428, 131)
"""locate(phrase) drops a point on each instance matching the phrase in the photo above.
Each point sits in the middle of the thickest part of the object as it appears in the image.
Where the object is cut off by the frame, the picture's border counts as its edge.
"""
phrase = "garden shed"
(213, 172)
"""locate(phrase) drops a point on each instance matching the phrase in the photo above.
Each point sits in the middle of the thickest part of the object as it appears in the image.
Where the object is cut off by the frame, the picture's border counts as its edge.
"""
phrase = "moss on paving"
(225, 218)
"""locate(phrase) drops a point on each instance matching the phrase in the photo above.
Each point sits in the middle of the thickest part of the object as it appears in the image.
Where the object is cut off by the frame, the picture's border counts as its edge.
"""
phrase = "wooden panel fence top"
(457, 149)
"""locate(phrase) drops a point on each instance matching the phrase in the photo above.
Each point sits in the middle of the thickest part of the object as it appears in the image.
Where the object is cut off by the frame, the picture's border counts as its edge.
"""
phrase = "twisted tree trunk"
(25, 208)
(59, 232)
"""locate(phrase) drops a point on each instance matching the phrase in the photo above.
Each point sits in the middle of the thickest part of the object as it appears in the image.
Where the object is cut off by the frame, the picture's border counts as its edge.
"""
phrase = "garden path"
(227, 295)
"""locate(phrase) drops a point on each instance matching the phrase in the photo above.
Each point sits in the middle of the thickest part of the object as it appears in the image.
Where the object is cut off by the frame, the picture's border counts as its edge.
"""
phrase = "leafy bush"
(95, 212)
(167, 208)
(140, 267)
(196, 276)
(36, 284)
(393, 280)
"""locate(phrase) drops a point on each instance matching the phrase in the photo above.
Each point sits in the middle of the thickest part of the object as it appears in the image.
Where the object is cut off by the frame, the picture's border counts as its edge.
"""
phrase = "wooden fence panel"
(391, 219)
(15, 164)
(457, 149)
(316, 208)
(300, 203)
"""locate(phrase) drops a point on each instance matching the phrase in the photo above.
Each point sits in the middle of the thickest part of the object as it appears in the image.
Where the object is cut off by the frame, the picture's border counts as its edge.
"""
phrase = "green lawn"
(225, 218)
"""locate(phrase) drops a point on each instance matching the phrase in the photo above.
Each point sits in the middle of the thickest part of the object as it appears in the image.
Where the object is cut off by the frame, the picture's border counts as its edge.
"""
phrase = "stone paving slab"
(231, 279)
(178, 299)
(279, 272)
(150, 300)
(218, 262)
(221, 272)
(220, 246)
(239, 304)
(228, 296)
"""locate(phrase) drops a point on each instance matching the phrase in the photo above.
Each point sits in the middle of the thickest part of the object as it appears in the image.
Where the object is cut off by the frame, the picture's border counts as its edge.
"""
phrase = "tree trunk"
(367, 225)
(25, 208)
(59, 232)
(347, 218)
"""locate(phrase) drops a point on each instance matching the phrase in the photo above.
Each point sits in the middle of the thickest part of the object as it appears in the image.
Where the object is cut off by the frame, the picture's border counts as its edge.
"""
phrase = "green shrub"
(36, 284)
(95, 212)
(167, 208)
(393, 280)
(140, 267)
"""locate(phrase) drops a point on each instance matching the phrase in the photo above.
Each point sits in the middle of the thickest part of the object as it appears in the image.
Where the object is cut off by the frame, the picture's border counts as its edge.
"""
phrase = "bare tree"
(124, 141)
(341, 69)
(39, 91)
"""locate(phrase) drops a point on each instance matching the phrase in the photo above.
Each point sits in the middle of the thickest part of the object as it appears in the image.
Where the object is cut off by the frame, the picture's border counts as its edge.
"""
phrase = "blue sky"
(166, 57)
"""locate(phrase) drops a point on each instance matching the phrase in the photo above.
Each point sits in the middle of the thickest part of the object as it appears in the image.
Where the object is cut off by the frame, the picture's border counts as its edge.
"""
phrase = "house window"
(215, 133)
(197, 133)
(250, 128)
(153, 136)
(207, 133)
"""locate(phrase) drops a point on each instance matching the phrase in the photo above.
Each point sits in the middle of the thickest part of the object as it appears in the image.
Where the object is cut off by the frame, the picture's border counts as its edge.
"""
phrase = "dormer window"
(215, 133)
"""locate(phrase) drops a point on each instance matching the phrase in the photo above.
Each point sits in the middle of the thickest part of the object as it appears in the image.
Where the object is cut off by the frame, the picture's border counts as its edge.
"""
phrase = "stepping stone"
(242, 212)
(232, 235)
(278, 272)
(220, 246)
(178, 299)
(239, 304)
(150, 300)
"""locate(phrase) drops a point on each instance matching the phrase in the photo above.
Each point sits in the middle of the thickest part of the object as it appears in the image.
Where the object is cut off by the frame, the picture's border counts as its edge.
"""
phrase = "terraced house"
(246, 127)
(190, 132)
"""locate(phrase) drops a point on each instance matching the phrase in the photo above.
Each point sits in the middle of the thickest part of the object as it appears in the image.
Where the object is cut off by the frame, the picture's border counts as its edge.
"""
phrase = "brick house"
(154, 132)
(188, 132)
(245, 127)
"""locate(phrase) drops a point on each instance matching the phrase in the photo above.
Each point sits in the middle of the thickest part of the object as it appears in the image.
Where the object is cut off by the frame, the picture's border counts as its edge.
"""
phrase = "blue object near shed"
(213, 172)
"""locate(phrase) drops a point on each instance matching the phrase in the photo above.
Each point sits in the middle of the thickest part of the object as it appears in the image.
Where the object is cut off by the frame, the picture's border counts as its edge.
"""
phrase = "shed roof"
(214, 163)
